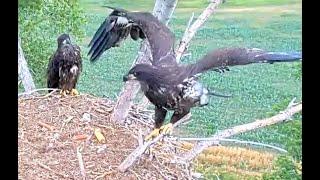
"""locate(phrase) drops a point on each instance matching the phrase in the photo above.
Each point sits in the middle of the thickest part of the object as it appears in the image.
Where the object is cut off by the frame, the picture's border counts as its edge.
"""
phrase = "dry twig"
(51, 170)
(46, 126)
(135, 155)
(81, 164)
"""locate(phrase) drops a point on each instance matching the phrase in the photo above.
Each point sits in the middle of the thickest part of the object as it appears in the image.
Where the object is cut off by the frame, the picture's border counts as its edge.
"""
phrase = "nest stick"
(136, 154)
(81, 164)
(51, 170)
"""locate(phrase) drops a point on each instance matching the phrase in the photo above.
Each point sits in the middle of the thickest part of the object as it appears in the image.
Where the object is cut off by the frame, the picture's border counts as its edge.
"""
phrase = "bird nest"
(57, 140)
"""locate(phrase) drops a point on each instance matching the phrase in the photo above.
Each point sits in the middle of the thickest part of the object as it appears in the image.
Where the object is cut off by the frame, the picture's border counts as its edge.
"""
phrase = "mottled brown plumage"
(64, 66)
(172, 86)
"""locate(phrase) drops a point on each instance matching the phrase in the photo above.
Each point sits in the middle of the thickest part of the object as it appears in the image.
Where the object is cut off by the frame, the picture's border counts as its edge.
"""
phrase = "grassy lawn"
(258, 90)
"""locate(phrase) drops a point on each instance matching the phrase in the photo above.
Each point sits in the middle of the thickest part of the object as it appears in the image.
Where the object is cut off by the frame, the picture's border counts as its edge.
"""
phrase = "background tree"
(23, 70)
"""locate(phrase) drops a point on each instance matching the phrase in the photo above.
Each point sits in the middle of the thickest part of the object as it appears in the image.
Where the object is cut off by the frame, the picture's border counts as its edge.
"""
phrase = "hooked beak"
(66, 41)
(129, 77)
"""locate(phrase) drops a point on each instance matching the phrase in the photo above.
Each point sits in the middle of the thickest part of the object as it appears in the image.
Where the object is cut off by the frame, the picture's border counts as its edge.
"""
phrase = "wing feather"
(137, 25)
(101, 36)
(224, 57)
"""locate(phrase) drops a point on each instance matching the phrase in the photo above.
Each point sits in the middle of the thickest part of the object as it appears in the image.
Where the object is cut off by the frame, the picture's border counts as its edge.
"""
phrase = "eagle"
(64, 67)
(168, 85)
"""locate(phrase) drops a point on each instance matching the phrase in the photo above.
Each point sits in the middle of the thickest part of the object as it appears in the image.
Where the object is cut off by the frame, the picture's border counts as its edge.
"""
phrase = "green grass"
(258, 90)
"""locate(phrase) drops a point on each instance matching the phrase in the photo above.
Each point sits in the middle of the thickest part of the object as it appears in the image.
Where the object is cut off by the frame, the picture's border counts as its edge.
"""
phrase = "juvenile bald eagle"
(167, 84)
(65, 66)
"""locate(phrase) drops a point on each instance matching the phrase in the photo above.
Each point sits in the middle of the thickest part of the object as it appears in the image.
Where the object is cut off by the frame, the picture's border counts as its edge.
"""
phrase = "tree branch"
(281, 117)
(190, 32)
(135, 155)
(23, 70)
(233, 140)
(36, 90)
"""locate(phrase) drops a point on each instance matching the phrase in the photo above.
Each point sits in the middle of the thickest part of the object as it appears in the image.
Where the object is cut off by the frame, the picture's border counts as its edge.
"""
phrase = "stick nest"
(52, 129)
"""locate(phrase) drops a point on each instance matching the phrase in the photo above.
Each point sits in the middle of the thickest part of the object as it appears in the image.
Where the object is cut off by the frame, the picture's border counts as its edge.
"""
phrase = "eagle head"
(117, 11)
(63, 39)
(140, 72)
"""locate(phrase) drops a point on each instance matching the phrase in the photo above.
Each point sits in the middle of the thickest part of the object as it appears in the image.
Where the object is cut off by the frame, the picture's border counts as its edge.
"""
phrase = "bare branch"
(23, 70)
(281, 117)
(135, 155)
(190, 32)
(81, 164)
(36, 90)
(186, 32)
(235, 141)
(51, 170)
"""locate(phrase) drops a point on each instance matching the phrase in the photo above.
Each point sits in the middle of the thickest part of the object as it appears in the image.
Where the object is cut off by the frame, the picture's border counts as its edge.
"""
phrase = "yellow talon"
(167, 129)
(63, 92)
(153, 134)
(74, 92)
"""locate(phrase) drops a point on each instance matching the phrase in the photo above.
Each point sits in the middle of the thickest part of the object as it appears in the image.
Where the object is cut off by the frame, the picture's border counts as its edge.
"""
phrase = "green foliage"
(40, 23)
(285, 168)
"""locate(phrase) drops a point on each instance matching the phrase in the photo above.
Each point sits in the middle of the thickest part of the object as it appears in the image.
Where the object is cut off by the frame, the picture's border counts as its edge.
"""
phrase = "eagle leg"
(74, 92)
(160, 115)
(166, 129)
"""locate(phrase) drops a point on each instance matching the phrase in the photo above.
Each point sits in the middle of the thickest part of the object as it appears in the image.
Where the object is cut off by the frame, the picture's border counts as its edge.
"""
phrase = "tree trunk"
(163, 10)
(23, 70)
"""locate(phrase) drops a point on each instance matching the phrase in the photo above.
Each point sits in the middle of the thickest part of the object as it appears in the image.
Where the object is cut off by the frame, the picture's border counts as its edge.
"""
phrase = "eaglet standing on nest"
(167, 84)
(64, 67)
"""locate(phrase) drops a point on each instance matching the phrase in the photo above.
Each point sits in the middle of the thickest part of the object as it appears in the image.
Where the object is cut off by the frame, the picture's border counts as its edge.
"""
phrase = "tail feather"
(219, 95)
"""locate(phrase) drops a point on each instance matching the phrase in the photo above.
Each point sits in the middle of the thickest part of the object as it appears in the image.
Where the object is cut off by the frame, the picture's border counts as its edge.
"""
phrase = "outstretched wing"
(120, 23)
(224, 57)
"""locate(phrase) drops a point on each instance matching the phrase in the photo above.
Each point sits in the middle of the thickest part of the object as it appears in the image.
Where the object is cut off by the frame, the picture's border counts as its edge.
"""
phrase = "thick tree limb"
(200, 146)
(23, 70)
(190, 32)
(163, 10)
(136, 154)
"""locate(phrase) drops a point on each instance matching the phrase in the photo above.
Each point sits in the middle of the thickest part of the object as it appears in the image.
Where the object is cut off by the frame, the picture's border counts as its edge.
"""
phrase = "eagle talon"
(166, 129)
(63, 92)
(153, 134)
(74, 92)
